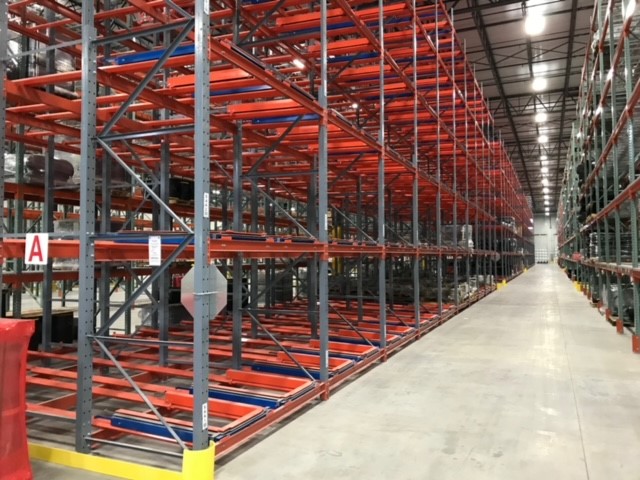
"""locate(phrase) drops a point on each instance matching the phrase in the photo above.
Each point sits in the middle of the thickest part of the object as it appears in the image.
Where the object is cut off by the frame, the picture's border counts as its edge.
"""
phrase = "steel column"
(86, 301)
(201, 224)
(236, 361)
(415, 219)
(438, 178)
(4, 44)
(382, 276)
(323, 200)
(46, 299)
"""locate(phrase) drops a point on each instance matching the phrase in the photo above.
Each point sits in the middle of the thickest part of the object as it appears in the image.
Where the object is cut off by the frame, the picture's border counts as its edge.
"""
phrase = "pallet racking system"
(345, 178)
(598, 211)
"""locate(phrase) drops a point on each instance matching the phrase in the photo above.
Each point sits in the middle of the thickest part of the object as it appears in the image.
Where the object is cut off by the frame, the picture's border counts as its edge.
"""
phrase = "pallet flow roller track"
(346, 180)
(598, 211)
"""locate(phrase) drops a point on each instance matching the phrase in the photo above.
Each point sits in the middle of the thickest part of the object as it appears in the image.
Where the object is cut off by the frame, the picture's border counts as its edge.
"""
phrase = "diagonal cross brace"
(148, 77)
(146, 284)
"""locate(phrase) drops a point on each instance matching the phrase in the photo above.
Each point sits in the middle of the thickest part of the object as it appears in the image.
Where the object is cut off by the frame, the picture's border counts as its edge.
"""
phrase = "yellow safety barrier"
(196, 465)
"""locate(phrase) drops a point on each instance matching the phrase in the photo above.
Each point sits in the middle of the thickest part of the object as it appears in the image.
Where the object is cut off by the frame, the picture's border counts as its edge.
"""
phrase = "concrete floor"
(529, 383)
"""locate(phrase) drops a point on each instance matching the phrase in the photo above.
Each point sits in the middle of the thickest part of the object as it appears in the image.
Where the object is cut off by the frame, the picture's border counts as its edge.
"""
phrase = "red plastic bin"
(14, 453)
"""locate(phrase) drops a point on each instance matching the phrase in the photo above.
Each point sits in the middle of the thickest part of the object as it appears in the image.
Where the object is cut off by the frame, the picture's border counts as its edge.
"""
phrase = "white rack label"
(205, 416)
(155, 251)
(207, 206)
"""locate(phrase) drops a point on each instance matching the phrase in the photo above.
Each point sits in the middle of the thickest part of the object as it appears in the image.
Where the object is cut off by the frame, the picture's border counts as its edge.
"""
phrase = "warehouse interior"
(318, 239)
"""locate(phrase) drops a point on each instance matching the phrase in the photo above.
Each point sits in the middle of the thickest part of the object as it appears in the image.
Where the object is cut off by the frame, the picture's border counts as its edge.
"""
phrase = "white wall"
(545, 234)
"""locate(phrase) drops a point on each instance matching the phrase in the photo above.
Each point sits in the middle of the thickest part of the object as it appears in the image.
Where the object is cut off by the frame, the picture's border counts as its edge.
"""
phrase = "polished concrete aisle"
(530, 383)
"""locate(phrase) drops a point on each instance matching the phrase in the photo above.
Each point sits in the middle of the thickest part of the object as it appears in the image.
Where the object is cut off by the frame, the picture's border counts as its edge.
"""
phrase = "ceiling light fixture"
(534, 24)
(539, 68)
(540, 117)
(631, 6)
(545, 182)
(544, 170)
(547, 214)
(545, 190)
(544, 157)
(299, 64)
(538, 84)
(543, 139)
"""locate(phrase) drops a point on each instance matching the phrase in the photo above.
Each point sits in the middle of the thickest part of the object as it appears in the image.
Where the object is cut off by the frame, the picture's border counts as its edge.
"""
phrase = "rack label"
(155, 251)
(205, 416)
(207, 205)
(36, 251)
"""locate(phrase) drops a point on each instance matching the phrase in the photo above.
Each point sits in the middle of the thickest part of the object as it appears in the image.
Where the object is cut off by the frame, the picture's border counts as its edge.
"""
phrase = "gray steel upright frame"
(382, 280)
(202, 225)
(438, 179)
(4, 43)
(415, 224)
(466, 161)
(48, 207)
(323, 201)
(456, 290)
(18, 220)
(86, 278)
(631, 161)
(89, 141)
(236, 350)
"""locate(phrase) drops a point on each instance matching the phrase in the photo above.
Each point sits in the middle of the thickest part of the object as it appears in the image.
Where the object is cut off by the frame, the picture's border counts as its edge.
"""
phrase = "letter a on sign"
(36, 251)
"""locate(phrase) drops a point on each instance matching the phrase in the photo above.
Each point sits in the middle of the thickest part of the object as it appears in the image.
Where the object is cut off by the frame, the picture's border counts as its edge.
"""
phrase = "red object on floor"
(14, 453)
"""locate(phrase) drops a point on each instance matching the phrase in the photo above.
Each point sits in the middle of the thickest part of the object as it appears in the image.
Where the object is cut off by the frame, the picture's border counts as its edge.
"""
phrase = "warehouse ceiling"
(507, 60)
